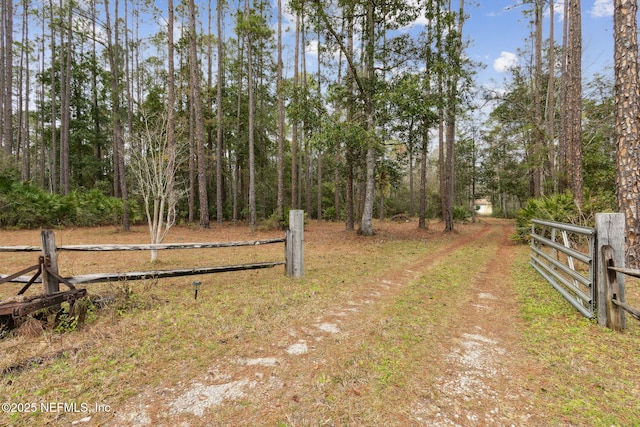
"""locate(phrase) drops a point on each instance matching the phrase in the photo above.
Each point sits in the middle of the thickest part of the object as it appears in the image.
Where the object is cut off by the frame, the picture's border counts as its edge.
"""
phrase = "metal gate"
(564, 255)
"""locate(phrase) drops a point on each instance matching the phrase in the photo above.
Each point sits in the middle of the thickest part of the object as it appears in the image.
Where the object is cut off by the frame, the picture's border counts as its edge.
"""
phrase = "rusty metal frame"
(17, 309)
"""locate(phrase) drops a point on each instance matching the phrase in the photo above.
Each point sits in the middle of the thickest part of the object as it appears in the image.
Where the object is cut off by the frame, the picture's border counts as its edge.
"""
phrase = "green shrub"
(94, 208)
(461, 213)
(273, 222)
(24, 206)
(561, 208)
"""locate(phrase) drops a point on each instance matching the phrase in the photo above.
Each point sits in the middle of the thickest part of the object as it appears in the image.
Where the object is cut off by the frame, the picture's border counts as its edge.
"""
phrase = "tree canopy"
(352, 117)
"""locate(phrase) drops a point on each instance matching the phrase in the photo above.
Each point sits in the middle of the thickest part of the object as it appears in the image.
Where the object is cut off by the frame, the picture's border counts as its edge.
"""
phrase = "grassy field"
(400, 303)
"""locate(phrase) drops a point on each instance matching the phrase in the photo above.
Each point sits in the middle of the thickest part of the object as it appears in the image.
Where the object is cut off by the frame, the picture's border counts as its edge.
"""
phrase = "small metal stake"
(196, 286)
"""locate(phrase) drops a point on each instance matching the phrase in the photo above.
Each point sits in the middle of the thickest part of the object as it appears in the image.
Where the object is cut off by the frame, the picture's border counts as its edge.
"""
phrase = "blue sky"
(497, 29)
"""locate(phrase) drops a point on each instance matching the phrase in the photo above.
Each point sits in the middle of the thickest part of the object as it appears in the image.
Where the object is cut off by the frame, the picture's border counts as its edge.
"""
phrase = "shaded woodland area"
(213, 111)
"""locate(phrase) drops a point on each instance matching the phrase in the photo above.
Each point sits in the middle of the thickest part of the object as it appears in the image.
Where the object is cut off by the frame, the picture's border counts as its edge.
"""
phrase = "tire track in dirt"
(482, 363)
(264, 373)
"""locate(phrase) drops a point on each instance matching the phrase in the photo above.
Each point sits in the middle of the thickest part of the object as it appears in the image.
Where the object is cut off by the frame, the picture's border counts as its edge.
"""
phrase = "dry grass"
(157, 334)
(400, 300)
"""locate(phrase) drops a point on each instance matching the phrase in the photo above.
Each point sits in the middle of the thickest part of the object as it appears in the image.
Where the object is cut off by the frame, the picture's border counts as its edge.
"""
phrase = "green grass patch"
(591, 373)
(393, 359)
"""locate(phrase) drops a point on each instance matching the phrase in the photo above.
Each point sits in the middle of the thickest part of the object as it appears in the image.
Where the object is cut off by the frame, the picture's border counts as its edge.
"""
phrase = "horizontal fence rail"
(46, 270)
(47, 267)
(151, 274)
(140, 275)
(564, 255)
(143, 247)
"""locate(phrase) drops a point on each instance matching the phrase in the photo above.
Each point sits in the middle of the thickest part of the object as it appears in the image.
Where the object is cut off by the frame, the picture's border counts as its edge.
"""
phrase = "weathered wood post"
(294, 251)
(613, 291)
(609, 252)
(50, 259)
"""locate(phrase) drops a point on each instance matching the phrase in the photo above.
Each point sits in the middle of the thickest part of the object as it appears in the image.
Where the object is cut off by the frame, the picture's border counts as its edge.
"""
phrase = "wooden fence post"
(609, 251)
(294, 252)
(613, 290)
(50, 256)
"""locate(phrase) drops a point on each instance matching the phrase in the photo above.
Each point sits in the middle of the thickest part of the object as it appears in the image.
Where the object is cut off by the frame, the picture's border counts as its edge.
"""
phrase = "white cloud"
(506, 61)
(602, 8)
(312, 48)
(558, 11)
(420, 21)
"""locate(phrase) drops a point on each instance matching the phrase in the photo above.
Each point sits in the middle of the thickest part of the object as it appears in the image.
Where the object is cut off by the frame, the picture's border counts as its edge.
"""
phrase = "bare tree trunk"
(320, 151)
(305, 127)
(54, 116)
(43, 150)
(23, 118)
(252, 162)
(281, 128)
(422, 220)
(425, 124)
(65, 105)
(3, 57)
(294, 125)
(94, 89)
(26, 156)
(171, 101)
(7, 82)
(236, 163)
(196, 100)
(349, 196)
(412, 195)
(563, 136)
(113, 50)
(219, 117)
(449, 167)
(366, 224)
(627, 102)
(537, 95)
(551, 107)
(574, 98)
(192, 161)
(441, 157)
(451, 111)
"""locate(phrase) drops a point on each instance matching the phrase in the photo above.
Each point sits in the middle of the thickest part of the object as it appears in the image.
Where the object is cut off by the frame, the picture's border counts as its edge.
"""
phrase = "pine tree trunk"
(537, 94)
(171, 100)
(196, 99)
(422, 218)
(281, 128)
(294, 125)
(65, 106)
(349, 182)
(53, 167)
(551, 91)
(563, 137)
(219, 117)
(366, 224)
(574, 99)
(627, 102)
(118, 143)
(7, 76)
(252, 107)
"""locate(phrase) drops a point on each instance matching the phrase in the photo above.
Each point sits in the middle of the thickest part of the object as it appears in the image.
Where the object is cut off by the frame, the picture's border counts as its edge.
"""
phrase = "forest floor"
(406, 328)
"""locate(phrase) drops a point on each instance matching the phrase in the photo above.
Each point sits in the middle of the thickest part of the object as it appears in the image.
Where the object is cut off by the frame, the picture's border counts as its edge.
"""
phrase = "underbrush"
(26, 207)
(562, 208)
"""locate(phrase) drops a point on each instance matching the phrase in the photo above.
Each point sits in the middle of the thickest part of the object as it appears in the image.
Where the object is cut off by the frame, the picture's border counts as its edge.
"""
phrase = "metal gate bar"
(574, 282)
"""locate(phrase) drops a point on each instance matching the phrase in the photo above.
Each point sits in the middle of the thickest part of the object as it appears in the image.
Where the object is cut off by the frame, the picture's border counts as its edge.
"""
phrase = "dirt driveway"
(472, 375)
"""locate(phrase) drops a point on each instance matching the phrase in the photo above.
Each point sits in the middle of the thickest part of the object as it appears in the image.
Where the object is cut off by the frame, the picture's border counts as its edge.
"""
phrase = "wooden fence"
(48, 261)
(606, 262)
